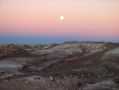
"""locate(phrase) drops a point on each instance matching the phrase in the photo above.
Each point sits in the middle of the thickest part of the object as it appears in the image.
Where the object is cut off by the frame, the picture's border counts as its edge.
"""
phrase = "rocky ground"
(67, 66)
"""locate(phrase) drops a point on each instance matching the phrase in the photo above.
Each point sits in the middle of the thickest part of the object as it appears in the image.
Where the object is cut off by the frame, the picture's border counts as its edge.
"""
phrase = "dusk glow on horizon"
(94, 20)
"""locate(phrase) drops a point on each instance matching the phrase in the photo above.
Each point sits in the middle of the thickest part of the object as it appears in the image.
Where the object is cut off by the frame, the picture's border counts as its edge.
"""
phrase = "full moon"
(61, 18)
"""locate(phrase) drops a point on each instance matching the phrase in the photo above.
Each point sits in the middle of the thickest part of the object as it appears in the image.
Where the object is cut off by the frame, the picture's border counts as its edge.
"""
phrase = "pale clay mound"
(71, 48)
(112, 53)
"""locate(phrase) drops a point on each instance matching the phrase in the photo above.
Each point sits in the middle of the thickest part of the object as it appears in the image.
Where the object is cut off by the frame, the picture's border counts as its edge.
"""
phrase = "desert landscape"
(71, 65)
(59, 44)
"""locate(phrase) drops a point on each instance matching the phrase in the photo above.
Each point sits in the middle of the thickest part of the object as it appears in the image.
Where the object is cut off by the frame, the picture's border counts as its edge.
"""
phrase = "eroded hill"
(66, 66)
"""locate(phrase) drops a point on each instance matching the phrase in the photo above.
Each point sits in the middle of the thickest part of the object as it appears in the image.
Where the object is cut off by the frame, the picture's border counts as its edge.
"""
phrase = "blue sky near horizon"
(50, 40)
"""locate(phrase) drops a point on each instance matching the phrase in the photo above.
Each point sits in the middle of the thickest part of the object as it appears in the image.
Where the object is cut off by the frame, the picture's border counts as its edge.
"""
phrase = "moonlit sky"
(38, 21)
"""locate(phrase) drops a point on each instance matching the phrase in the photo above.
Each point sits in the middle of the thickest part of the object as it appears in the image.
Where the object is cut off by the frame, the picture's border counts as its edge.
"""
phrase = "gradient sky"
(35, 21)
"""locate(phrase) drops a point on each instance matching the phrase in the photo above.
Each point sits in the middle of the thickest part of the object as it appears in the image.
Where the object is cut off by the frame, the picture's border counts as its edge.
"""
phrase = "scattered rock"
(52, 79)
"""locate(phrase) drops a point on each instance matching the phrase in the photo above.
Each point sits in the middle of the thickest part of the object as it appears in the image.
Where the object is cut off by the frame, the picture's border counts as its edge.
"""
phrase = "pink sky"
(41, 17)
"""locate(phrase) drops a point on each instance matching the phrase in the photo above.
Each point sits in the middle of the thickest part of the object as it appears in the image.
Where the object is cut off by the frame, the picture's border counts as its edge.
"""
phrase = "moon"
(61, 18)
